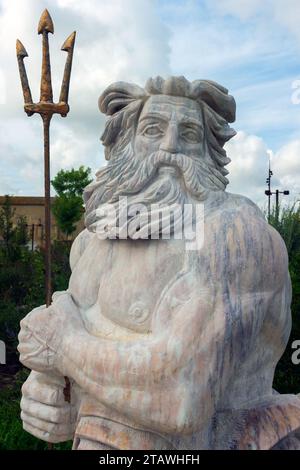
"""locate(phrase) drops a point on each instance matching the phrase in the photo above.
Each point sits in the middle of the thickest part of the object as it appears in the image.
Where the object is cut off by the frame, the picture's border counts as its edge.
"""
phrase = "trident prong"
(45, 27)
(68, 46)
(21, 54)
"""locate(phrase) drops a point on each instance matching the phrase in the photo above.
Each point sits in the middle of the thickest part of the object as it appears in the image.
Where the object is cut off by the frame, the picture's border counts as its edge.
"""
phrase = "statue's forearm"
(138, 380)
(153, 360)
(110, 362)
(156, 408)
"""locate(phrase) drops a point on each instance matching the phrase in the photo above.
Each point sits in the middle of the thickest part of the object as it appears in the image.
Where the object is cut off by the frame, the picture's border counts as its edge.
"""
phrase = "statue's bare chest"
(125, 283)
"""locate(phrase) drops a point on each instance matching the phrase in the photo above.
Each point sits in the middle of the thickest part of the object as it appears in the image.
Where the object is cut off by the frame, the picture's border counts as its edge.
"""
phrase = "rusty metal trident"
(46, 108)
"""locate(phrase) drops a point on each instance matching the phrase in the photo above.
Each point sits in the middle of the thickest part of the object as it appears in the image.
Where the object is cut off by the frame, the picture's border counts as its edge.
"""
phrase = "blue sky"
(254, 55)
(249, 46)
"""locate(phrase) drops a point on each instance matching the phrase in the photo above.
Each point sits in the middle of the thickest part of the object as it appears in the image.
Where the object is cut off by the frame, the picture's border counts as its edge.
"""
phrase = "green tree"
(67, 207)
(68, 211)
(21, 231)
(71, 182)
(6, 221)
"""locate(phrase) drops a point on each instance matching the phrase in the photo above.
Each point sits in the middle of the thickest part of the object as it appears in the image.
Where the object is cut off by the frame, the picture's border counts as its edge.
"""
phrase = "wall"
(32, 208)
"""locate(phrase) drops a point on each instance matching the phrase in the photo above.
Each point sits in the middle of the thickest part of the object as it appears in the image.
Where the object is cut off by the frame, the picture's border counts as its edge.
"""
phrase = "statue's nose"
(170, 141)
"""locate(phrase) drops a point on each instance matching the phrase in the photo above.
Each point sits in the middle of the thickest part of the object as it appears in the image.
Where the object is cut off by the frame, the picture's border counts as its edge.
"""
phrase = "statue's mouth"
(169, 169)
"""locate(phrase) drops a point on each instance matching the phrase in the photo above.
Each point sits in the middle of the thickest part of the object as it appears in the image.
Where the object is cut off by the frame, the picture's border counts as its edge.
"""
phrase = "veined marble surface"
(166, 346)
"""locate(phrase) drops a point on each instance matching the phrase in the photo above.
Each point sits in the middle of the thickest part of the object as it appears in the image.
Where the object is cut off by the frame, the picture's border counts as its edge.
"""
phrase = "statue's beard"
(162, 180)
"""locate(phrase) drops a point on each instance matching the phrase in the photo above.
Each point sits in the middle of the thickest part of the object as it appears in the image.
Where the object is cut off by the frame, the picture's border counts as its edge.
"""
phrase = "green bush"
(22, 284)
(287, 374)
(22, 287)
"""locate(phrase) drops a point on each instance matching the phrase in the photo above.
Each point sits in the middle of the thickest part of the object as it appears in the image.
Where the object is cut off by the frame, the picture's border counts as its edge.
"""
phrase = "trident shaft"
(46, 108)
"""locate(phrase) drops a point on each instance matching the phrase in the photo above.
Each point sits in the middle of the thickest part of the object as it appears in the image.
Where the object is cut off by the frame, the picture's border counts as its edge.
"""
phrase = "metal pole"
(46, 124)
(269, 196)
(32, 237)
(277, 205)
(268, 192)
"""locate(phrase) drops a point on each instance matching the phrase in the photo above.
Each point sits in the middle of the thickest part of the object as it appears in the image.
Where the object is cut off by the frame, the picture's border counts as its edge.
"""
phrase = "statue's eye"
(153, 130)
(190, 136)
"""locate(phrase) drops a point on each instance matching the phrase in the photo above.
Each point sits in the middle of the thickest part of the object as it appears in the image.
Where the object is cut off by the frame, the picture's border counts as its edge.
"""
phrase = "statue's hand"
(43, 331)
(45, 413)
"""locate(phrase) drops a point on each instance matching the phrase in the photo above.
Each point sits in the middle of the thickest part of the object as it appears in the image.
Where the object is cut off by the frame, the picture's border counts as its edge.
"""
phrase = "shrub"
(287, 374)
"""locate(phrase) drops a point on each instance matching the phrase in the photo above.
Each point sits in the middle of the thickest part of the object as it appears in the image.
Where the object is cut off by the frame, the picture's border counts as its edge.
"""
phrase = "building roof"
(25, 200)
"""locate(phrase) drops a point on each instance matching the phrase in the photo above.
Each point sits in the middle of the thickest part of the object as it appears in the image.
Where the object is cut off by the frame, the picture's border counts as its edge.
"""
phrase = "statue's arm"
(78, 246)
(152, 379)
(45, 413)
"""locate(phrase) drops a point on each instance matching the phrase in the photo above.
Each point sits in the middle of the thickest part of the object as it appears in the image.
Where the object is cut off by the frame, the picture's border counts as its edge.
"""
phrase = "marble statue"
(166, 344)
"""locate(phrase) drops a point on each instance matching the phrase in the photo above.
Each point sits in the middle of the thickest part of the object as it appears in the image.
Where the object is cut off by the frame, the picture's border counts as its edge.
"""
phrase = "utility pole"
(269, 193)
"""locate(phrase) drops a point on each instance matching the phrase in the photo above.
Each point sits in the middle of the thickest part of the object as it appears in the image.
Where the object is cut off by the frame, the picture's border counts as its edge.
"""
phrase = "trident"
(46, 108)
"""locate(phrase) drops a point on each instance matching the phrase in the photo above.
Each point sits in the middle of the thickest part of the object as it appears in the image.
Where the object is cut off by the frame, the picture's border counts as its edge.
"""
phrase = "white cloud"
(248, 168)
(286, 13)
(286, 164)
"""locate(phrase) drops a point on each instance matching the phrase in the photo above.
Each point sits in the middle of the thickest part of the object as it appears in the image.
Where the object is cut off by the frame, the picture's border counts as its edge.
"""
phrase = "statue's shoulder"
(240, 228)
(240, 213)
(79, 245)
(236, 205)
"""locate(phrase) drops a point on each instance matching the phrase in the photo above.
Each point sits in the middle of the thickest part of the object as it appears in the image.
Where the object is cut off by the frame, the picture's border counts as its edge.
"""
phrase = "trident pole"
(46, 108)
(46, 125)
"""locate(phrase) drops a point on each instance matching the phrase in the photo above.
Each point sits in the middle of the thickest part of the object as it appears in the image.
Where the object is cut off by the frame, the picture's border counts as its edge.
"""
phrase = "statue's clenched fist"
(45, 413)
(43, 331)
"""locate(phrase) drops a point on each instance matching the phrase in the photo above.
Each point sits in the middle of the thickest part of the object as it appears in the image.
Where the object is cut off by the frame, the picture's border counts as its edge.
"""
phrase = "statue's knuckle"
(23, 405)
(57, 414)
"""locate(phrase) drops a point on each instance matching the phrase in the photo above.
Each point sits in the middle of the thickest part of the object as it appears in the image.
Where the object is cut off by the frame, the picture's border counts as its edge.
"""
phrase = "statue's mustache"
(146, 171)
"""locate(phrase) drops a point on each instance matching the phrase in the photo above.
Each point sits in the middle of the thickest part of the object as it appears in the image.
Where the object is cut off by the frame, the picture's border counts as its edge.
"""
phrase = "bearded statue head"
(163, 143)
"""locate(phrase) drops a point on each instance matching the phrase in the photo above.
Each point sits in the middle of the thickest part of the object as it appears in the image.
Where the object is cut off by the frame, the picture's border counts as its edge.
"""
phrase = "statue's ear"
(118, 95)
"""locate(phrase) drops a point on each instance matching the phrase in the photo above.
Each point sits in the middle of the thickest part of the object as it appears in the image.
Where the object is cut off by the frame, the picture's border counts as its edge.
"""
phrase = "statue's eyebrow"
(159, 116)
(192, 121)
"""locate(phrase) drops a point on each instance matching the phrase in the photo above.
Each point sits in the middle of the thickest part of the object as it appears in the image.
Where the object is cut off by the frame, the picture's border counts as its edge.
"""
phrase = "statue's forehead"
(166, 104)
